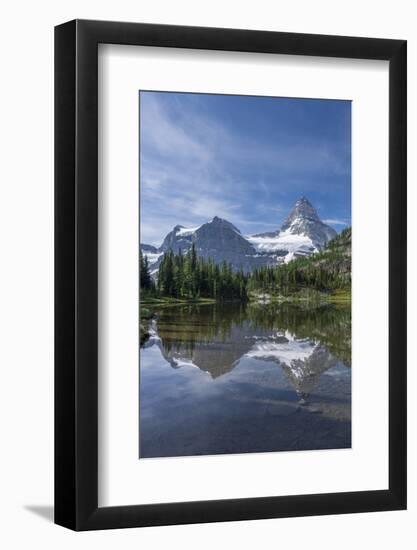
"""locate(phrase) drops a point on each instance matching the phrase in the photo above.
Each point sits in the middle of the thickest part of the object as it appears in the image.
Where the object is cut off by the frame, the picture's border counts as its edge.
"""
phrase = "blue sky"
(245, 159)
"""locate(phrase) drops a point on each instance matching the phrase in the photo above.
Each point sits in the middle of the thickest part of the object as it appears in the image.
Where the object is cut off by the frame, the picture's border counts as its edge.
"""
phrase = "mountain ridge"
(301, 234)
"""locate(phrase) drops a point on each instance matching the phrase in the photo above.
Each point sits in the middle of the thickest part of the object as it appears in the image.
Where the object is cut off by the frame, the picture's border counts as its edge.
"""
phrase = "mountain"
(148, 248)
(301, 234)
(335, 261)
(223, 242)
(153, 255)
(180, 238)
(217, 239)
(328, 271)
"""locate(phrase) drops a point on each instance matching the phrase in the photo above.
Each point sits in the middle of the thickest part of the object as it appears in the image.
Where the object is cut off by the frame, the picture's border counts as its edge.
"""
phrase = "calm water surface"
(234, 379)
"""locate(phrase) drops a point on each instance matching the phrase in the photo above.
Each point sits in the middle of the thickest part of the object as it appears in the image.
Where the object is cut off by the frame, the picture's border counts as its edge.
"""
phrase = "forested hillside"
(187, 276)
(326, 271)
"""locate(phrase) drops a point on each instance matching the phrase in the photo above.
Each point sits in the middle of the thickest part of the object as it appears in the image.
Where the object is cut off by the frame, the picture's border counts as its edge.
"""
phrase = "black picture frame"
(76, 272)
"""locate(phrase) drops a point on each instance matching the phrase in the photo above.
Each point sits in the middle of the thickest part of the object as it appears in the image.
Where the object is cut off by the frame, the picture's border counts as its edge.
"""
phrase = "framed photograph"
(230, 244)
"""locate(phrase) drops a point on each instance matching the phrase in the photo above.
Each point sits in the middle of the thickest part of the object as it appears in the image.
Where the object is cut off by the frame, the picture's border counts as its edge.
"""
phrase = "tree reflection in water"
(236, 378)
(304, 342)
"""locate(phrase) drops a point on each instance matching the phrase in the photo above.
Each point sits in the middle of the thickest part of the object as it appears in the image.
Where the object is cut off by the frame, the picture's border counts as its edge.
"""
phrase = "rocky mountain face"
(217, 239)
(148, 248)
(178, 239)
(301, 234)
(304, 220)
(222, 241)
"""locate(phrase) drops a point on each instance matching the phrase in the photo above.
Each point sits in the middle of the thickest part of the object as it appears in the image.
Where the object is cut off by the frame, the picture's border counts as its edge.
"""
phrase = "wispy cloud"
(195, 166)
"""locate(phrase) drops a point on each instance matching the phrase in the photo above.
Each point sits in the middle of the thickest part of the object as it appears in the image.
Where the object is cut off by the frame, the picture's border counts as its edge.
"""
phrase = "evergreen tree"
(144, 273)
(192, 277)
(325, 271)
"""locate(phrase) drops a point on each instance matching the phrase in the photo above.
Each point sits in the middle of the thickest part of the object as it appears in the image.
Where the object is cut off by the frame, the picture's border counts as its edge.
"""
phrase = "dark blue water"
(235, 379)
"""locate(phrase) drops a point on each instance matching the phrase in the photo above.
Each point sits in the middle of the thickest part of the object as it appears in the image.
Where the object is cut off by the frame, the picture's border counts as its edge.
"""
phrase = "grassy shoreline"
(168, 301)
(341, 296)
(302, 296)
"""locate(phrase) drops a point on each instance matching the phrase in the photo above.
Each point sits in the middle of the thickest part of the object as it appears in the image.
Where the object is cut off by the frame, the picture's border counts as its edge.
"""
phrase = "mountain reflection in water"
(233, 378)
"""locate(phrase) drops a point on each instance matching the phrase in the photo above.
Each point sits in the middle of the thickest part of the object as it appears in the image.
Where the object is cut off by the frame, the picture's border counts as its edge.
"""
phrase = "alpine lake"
(243, 378)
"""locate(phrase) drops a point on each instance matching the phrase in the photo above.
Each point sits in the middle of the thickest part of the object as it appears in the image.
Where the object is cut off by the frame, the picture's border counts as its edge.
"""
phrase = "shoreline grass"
(339, 296)
(168, 301)
(302, 296)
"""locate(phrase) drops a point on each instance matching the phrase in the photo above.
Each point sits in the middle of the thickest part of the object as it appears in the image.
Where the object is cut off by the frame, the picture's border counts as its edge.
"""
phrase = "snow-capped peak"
(302, 210)
(185, 231)
(301, 234)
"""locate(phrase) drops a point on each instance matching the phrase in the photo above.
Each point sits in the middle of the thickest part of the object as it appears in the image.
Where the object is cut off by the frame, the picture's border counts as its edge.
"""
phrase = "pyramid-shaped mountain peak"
(302, 210)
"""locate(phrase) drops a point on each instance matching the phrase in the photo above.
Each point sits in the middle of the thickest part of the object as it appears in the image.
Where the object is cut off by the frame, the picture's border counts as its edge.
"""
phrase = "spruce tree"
(144, 273)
